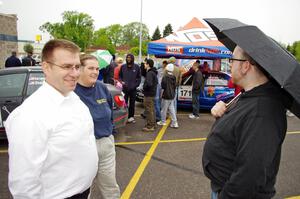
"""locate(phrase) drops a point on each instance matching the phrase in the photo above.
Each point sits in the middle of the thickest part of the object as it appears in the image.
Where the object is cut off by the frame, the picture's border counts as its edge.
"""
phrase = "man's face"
(235, 66)
(63, 71)
(128, 59)
(89, 72)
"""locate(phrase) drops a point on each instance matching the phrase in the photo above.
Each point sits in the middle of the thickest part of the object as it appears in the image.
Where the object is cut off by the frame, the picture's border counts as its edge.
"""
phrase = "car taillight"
(119, 101)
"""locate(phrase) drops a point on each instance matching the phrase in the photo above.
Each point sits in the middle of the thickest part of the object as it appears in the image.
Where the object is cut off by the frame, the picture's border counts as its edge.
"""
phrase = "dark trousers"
(149, 112)
(195, 102)
(131, 95)
(83, 195)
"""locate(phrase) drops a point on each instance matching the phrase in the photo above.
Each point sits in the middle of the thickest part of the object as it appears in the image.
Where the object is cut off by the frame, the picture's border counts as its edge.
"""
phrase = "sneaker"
(175, 125)
(160, 123)
(148, 129)
(192, 116)
(131, 120)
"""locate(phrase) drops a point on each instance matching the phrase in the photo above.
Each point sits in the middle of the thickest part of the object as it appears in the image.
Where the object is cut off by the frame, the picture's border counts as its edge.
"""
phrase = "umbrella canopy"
(104, 58)
(275, 60)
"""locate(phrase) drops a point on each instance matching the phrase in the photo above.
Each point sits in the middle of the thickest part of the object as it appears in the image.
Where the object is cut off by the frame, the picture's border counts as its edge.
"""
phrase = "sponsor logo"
(174, 49)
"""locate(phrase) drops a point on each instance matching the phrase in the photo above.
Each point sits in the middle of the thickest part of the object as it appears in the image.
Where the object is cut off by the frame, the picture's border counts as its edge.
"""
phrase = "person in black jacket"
(12, 61)
(28, 60)
(168, 86)
(242, 153)
(149, 90)
(130, 75)
(196, 89)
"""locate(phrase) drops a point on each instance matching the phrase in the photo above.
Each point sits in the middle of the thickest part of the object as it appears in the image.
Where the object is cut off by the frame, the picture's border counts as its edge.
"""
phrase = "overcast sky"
(279, 19)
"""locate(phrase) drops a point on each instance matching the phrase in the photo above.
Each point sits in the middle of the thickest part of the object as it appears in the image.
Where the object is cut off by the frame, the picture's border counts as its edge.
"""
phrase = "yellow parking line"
(134, 180)
(293, 132)
(294, 197)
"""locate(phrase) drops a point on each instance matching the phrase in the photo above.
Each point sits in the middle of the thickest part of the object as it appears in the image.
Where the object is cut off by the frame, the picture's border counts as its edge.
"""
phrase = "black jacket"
(150, 84)
(197, 81)
(242, 153)
(28, 61)
(131, 77)
(12, 61)
(168, 84)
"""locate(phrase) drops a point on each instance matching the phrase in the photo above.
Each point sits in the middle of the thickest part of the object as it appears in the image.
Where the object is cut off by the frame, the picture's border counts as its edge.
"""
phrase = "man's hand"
(219, 109)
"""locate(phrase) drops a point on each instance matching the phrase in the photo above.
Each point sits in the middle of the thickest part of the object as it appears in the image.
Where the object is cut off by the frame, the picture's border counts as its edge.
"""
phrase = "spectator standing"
(108, 72)
(178, 76)
(52, 148)
(168, 86)
(157, 103)
(149, 90)
(241, 156)
(119, 62)
(12, 61)
(99, 101)
(28, 60)
(196, 89)
(130, 75)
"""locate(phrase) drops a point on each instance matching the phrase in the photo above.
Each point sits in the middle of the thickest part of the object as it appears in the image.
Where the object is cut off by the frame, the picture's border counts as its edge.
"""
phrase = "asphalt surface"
(167, 163)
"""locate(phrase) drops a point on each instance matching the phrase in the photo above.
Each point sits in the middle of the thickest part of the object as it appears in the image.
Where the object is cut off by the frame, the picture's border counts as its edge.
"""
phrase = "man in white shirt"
(52, 149)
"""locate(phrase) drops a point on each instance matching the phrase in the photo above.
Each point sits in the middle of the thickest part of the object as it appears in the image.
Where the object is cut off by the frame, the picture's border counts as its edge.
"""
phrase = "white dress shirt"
(52, 149)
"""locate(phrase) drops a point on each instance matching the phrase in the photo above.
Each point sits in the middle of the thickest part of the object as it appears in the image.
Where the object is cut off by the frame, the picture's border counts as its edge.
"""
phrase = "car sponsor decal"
(185, 93)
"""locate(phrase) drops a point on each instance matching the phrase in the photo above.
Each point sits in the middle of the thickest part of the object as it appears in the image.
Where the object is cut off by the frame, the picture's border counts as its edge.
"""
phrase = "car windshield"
(12, 84)
(34, 82)
(216, 80)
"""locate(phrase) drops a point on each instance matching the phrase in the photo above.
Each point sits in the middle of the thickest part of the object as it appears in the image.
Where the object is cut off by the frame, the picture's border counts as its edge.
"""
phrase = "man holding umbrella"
(242, 153)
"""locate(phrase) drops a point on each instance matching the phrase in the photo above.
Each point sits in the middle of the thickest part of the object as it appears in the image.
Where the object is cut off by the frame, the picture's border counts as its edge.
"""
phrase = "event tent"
(193, 41)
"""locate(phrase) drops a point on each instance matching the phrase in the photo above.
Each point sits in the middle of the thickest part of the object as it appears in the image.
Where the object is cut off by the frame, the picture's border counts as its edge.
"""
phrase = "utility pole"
(141, 30)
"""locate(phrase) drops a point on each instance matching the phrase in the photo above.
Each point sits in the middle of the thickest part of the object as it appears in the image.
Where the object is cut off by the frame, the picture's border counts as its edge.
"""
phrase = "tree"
(28, 48)
(131, 33)
(156, 35)
(168, 30)
(115, 34)
(295, 49)
(102, 40)
(76, 27)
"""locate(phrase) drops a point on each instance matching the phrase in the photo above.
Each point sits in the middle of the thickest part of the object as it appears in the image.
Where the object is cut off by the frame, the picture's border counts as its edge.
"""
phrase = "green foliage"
(156, 35)
(28, 48)
(76, 27)
(295, 49)
(131, 33)
(115, 34)
(168, 30)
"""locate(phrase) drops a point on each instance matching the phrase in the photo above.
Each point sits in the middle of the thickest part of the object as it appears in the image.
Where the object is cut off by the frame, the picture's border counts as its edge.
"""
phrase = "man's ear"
(45, 67)
(246, 66)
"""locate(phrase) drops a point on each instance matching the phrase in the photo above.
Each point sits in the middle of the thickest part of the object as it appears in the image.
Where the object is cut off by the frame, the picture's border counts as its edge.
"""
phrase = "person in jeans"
(130, 75)
(95, 95)
(149, 90)
(196, 89)
(168, 85)
(157, 102)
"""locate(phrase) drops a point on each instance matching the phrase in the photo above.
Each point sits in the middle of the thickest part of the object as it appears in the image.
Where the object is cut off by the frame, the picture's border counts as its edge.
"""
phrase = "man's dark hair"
(165, 62)
(150, 62)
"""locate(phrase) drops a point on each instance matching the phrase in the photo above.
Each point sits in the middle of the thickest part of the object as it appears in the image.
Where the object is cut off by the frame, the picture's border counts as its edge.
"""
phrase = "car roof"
(21, 69)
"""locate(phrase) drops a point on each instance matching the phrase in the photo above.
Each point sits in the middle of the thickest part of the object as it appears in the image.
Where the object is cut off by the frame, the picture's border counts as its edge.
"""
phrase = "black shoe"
(143, 116)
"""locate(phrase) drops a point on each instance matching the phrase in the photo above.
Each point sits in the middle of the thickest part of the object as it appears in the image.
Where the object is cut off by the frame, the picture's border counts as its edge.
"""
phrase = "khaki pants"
(149, 112)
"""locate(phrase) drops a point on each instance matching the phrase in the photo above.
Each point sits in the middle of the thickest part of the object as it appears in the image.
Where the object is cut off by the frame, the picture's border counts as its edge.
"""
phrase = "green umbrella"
(104, 58)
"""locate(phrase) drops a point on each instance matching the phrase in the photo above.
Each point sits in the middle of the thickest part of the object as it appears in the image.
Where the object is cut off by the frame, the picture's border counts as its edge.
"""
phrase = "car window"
(34, 82)
(12, 84)
(216, 80)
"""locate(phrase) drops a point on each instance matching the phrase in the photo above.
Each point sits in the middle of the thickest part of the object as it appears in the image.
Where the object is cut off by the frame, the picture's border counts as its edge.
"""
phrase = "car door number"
(185, 93)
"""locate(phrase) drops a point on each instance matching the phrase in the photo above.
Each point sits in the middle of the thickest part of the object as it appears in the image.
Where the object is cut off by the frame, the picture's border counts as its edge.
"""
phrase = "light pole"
(141, 30)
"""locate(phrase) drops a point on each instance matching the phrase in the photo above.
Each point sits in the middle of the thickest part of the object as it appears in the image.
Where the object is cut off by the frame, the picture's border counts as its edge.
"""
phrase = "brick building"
(8, 36)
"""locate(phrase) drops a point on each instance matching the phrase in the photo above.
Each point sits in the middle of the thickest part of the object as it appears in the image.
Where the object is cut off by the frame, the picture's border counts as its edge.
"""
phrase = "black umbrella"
(275, 60)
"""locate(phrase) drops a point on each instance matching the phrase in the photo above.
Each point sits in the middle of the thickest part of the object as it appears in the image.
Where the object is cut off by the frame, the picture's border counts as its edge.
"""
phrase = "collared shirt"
(52, 149)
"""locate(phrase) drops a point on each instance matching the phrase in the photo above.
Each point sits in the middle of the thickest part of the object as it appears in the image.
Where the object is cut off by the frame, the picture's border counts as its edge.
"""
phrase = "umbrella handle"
(233, 100)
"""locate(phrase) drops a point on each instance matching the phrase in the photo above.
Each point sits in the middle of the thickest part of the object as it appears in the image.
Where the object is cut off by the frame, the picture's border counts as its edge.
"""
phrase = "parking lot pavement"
(169, 166)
